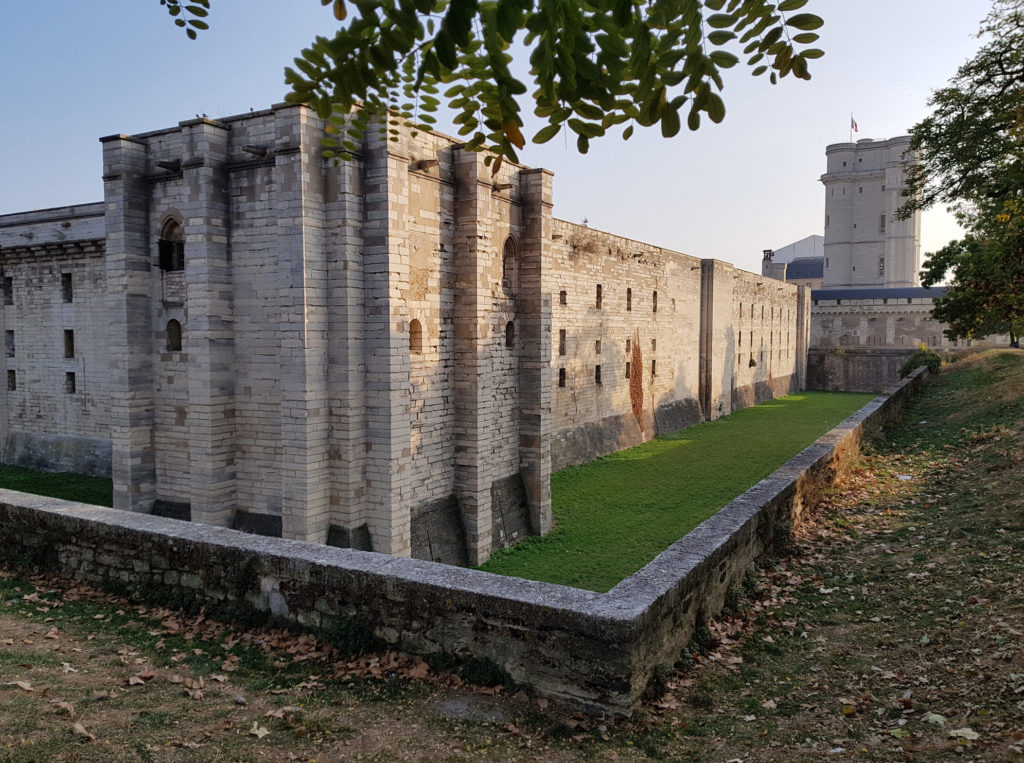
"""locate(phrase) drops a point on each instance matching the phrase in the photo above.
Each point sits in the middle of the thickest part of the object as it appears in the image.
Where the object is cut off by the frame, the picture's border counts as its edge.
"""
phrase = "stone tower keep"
(865, 245)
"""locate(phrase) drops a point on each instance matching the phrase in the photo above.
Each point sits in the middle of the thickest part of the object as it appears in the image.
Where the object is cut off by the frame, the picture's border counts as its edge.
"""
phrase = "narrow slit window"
(561, 341)
(628, 346)
(69, 382)
(69, 343)
(12, 381)
(599, 296)
(9, 342)
(654, 368)
(597, 374)
(654, 302)
(597, 346)
(563, 297)
(8, 290)
(561, 377)
(67, 288)
(628, 369)
(629, 299)
(508, 263)
(510, 334)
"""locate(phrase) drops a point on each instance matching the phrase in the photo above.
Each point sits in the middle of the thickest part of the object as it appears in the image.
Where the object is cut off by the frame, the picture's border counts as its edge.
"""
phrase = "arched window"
(510, 334)
(508, 263)
(171, 246)
(415, 337)
(173, 336)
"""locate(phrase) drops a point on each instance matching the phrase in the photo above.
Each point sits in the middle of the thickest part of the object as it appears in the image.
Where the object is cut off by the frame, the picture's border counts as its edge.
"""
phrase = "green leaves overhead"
(594, 64)
(188, 15)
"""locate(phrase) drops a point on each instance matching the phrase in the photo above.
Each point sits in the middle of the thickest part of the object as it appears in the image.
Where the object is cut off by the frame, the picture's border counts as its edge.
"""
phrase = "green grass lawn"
(68, 485)
(617, 513)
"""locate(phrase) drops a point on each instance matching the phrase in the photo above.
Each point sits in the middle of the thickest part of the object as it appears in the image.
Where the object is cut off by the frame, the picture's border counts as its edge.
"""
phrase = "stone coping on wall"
(595, 651)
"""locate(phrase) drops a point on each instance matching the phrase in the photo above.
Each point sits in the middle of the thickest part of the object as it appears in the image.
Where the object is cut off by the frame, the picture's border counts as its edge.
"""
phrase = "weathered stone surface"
(58, 452)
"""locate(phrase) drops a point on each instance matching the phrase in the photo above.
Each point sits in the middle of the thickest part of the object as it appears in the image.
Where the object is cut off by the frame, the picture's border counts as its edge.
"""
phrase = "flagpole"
(851, 128)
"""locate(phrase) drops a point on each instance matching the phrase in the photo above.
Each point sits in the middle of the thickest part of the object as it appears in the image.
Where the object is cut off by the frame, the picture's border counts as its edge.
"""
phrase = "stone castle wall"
(57, 399)
(631, 366)
(371, 350)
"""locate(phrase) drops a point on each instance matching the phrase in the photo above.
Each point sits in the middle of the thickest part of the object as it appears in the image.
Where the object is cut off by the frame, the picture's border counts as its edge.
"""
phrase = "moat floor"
(615, 514)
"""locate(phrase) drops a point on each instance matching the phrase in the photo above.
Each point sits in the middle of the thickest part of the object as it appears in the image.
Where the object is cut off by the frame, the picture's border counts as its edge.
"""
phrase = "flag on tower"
(853, 124)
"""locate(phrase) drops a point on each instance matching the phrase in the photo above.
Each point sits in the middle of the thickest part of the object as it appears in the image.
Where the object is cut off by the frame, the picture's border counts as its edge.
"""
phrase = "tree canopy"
(971, 157)
(594, 64)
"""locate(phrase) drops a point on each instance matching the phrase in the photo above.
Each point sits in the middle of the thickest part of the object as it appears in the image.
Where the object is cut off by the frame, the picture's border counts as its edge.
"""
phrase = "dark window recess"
(597, 346)
(654, 345)
(561, 341)
(171, 246)
(12, 380)
(628, 345)
(599, 296)
(508, 264)
(628, 369)
(561, 377)
(654, 302)
(510, 334)
(563, 298)
(69, 382)
(415, 336)
(597, 374)
(654, 368)
(69, 343)
(9, 342)
(173, 336)
(629, 299)
(8, 290)
(67, 289)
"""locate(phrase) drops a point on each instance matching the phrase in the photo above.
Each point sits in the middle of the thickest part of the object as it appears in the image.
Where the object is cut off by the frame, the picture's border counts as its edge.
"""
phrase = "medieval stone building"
(391, 352)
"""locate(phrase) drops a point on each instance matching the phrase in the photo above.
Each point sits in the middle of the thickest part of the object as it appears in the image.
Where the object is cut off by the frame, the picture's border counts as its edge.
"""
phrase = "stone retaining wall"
(596, 651)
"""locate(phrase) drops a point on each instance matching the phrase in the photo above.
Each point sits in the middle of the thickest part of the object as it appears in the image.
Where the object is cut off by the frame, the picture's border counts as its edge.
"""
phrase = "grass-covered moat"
(617, 513)
(70, 486)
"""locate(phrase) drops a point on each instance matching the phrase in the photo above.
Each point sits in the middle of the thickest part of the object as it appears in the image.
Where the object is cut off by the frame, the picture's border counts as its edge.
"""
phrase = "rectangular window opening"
(628, 369)
(561, 341)
(599, 296)
(69, 343)
(597, 374)
(67, 289)
(629, 299)
(69, 382)
(12, 381)
(561, 377)
(654, 302)
(9, 342)
(8, 290)
(597, 346)
(563, 298)
(654, 368)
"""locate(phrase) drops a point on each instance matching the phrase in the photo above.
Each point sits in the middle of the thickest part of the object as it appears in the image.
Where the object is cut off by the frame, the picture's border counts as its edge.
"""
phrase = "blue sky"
(74, 71)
